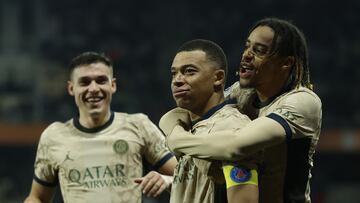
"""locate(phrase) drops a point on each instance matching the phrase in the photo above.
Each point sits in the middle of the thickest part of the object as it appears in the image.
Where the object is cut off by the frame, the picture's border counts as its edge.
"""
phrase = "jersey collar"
(213, 110)
(77, 124)
(258, 104)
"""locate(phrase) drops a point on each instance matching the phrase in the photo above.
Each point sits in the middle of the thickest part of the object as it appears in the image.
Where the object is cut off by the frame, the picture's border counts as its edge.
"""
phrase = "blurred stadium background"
(38, 38)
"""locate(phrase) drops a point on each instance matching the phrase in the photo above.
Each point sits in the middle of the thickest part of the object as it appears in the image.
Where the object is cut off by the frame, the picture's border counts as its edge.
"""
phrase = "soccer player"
(97, 155)
(275, 65)
(198, 79)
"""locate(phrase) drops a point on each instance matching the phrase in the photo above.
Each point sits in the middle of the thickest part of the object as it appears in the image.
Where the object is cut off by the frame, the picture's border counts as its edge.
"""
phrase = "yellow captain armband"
(239, 175)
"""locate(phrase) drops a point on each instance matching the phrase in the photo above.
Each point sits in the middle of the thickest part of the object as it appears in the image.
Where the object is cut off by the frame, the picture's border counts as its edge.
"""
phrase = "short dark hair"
(289, 40)
(213, 52)
(87, 58)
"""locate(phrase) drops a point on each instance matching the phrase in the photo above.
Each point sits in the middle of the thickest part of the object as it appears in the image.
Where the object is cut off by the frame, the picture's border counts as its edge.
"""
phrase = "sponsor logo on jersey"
(240, 174)
(99, 176)
(121, 146)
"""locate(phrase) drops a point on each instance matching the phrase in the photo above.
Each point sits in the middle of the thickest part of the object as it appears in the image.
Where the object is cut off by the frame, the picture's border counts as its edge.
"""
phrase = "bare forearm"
(32, 200)
(40, 194)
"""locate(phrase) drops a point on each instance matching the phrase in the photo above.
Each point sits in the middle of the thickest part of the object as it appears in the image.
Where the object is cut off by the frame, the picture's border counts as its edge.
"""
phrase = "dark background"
(38, 38)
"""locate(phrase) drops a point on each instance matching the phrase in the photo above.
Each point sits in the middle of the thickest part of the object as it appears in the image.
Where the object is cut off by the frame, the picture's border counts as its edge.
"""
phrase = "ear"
(113, 85)
(288, 63)
(70, 88)
(219, 76)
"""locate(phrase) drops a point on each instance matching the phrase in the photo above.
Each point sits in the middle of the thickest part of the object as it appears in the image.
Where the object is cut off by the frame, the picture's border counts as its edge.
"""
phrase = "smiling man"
(97, 156)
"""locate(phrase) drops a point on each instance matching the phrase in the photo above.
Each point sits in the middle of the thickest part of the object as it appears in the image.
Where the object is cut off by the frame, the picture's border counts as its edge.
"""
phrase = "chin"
(246, 84)
(96, 112)
(183, 105)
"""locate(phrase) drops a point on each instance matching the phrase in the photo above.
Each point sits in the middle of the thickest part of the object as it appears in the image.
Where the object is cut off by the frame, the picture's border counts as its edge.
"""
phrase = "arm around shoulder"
(228, 145)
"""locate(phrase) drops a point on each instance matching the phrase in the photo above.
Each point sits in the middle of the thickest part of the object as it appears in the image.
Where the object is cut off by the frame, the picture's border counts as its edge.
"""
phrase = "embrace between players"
(255, 140)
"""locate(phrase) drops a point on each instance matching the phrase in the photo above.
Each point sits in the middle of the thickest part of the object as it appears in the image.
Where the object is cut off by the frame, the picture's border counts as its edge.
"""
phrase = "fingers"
(152, 184)
(138, 180)
(156, 190)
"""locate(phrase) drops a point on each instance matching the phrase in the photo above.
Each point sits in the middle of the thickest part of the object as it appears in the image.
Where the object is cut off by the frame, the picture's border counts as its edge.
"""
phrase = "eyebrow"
(185, 65)
(93, 78)
(258, 44)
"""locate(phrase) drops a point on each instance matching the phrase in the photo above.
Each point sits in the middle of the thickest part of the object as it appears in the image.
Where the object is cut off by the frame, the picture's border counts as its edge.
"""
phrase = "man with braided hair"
(275, 87)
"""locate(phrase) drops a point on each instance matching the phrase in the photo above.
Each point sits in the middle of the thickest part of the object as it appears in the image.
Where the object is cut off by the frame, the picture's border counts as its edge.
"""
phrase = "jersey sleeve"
(243, 171)
(45, 172)
(155, 151)
(300, 115)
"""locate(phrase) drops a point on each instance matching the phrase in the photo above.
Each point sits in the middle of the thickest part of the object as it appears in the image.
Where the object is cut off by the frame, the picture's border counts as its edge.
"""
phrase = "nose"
(93, 87)
(178, 79)
(248, 55)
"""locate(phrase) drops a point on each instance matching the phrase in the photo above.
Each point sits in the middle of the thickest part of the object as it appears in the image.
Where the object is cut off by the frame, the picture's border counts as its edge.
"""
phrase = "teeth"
(94, 99)
(247, 68)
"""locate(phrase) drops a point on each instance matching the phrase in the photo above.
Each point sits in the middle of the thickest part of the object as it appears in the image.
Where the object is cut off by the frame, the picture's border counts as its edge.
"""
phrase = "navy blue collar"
(213, 110)
(77, 124)
(258, 104)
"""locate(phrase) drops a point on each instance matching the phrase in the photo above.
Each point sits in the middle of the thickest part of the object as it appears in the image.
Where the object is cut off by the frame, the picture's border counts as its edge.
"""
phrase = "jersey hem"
(283, 123)
(162, 161)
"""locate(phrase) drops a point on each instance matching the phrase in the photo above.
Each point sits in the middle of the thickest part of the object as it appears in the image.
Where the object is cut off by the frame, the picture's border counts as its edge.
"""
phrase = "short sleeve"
(240, 174)
(155, 150)
(45, 172)
(245, 170)
(302, 112)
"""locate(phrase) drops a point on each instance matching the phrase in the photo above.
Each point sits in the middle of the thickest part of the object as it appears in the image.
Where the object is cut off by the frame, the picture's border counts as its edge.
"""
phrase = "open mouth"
(246, 71)
(94, 100)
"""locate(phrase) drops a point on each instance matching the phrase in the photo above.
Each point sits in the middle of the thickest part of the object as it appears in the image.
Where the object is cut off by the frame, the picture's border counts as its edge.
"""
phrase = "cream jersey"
(284, 173)
(196, 180)
(99, 164)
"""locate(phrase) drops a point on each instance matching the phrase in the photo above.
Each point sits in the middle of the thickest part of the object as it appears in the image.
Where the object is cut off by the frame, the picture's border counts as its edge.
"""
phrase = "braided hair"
(289, 41)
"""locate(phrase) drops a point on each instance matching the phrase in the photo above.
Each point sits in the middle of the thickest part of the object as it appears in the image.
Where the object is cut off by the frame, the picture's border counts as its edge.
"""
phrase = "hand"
(153, 183)
(176, 116)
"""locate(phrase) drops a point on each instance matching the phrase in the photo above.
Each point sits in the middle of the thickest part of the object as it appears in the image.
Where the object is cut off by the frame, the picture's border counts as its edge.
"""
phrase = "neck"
(267, 91)
(94, 120)
(215, 99)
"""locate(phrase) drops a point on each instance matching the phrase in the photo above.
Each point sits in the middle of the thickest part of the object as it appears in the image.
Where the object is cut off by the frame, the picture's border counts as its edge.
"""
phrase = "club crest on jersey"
(240, 174)
(121, 146)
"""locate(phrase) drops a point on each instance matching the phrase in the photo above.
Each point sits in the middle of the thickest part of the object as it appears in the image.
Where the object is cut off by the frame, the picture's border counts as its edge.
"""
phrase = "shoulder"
(135, 119)
(302, 110)
(55, 129)
(303, 92)
(301, 106)
(230, 117)
(232, 111)
(303, 99)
